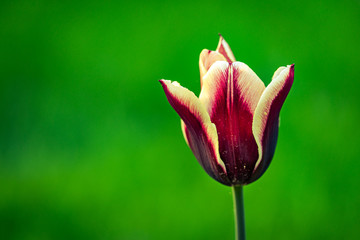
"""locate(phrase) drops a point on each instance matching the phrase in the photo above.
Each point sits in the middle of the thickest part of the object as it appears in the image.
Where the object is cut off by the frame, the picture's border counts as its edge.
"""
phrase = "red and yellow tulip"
(232, 127)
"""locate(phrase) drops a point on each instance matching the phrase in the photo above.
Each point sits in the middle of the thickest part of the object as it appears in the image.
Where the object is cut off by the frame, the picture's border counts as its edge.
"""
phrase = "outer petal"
(230, 93)
(224, 48)
(207, 59)
(266, 118)
(200, 133)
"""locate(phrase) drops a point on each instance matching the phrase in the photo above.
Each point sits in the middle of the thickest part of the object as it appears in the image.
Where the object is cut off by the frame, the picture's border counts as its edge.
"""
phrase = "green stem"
(239, 213)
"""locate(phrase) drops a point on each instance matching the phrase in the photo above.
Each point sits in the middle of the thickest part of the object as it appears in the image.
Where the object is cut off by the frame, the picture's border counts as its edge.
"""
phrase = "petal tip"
(292, 66)
(291, 72)
(224, 48)
(221, 37)
(163, 82)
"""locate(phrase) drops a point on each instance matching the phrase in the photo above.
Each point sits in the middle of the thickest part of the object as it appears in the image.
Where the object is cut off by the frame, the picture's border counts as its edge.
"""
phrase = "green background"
(91, 149)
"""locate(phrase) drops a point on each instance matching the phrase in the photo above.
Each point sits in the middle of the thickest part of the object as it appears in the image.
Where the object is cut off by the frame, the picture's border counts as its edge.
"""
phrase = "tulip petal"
(184, 131)
(207, 59)
(200, 133)
(224, 48)
(266, 117)
(230, 93)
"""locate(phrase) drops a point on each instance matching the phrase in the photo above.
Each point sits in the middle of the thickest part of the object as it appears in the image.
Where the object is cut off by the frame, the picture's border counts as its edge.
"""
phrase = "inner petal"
(230, 93)
(207, 59)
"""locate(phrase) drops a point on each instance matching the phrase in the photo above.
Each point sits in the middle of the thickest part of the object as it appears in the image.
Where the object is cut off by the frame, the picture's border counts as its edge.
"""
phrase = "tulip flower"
(232, 127)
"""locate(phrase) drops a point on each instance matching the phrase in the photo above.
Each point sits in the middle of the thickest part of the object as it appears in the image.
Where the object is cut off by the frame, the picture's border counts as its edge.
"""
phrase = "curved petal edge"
(199, 132)
(266, 117)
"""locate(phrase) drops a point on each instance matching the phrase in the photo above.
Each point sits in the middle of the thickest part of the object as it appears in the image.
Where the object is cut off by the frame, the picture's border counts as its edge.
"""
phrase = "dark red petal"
(200, 133)
(230, 93)
(266, 117)
(224, 48)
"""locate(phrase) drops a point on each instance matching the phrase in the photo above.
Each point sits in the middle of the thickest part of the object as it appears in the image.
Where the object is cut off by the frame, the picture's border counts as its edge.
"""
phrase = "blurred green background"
(91, 149)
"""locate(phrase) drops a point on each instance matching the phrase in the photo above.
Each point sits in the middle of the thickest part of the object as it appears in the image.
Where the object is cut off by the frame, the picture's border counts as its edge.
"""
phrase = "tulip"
(232, 127)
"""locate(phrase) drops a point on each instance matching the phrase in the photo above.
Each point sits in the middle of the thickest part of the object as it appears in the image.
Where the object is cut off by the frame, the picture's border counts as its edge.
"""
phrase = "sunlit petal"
(200, 133)
(230, 93)
(266, 117)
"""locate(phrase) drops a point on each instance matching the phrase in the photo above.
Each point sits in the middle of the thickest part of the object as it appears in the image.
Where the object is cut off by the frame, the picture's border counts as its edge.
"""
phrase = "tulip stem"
(239, 213)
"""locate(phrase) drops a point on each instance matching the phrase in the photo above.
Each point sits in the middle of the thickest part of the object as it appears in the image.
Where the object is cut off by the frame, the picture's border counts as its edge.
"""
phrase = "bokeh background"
(91, 149)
